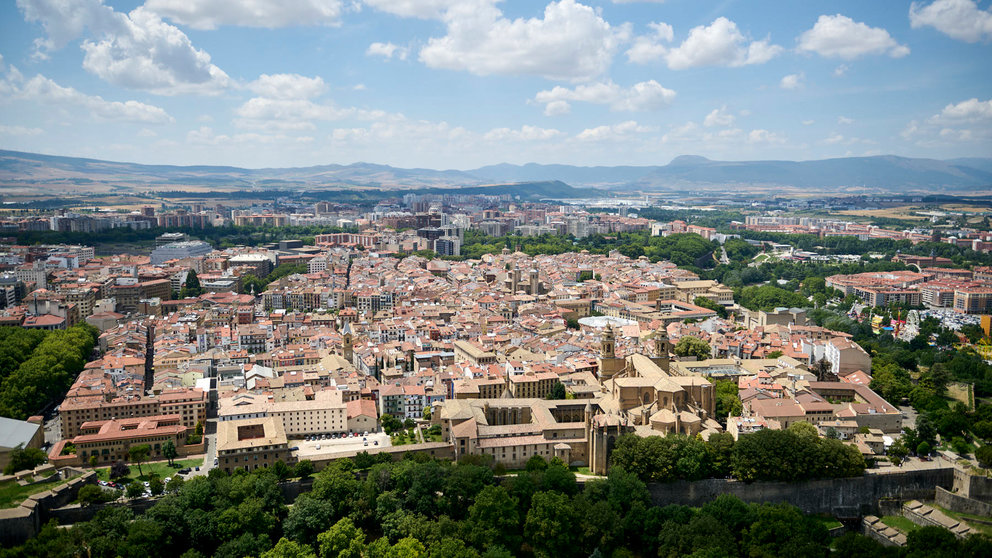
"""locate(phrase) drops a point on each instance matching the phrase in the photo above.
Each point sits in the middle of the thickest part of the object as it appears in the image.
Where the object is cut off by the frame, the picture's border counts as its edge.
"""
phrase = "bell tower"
(348, 341)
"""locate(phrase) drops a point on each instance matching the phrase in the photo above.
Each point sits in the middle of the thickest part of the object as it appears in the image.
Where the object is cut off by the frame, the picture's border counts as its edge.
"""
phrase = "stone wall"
(976, 487)
(436, 450)
(69, 515)
(23, 522)
(961, 504)
(843, 498)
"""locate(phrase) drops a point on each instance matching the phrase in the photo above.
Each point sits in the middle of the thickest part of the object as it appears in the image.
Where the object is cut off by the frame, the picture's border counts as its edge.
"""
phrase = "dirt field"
(960, 392)
(901, 212)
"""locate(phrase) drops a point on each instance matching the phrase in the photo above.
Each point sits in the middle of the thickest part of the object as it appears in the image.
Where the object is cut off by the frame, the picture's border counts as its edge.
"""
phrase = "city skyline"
(460, 84)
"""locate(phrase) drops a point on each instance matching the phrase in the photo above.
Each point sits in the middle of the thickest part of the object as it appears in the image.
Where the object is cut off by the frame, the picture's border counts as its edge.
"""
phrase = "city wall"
(844, 498)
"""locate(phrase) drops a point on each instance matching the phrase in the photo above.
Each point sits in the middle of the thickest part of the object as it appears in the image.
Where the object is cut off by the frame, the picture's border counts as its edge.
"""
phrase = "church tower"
(348, 343)
(661, 348)
(609, 364)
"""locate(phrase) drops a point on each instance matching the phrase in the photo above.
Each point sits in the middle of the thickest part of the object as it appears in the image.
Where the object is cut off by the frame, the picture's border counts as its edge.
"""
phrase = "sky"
(457, 84)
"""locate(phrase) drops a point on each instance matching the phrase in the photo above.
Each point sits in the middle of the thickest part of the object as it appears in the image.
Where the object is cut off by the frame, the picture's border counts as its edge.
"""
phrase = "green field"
(12, 494)
(160, 468)
(899, 522)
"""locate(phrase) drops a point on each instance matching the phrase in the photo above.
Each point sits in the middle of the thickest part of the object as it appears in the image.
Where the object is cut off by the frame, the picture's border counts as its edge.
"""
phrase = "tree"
(90, 494)
(557, 391)
(303, 469)
(286, 548)
(22, 459)
(390, 423)
(342, 540)
(408, 547)
(536, 463)
(138, 454)
(94, 461)
(550, 523)
(897, 452)
(280, 470)
(174, 484)
(135, 490)
(693, 346)
(169, 451)
(192, 286)
(156, 485)
(119, 470)
(426, 413)
(984, 456)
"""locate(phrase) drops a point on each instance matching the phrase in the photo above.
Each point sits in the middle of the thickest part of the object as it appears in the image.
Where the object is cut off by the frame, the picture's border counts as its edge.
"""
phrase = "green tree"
(286, 548)
(119, 470)
(139, 454)
(342, 540)
(494, 518)
(549, 524)
(169, 451)
(303, 469)
(693, 346)
(22, 459)
(192, 287)
(156, 485)
(557, 391)
(408, 547)
(135, 490)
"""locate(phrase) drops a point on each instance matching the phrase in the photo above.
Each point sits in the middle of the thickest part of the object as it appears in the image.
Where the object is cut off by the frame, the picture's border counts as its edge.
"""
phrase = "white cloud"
(205, 135)
(287, 86)
(719, 117)
(970, 111)
(44, 90)
(285, 114)
(844, 120)
(571, 42)
(958, 19)
(836, 138)
(808, 122)
(647, 95)
(839, 36)
(717, 44)
(135, 50)
(841, 70)
(424, 9)
(615, 132)
(764, 136)
(648, 48)
(209, 14)
(19, 131)
(638, 1)
(792, 81)
(386, 50)
(966, 121)
(525, 133)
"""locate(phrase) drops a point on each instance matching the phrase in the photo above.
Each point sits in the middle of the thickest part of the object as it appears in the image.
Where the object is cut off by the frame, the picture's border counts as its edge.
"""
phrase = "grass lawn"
(160, 468)
(12, 494)
(899, 522)
(984, 529)
(828, 521)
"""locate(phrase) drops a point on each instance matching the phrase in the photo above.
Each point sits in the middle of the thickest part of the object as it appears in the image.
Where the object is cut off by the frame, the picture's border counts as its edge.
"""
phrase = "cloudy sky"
(464, 83)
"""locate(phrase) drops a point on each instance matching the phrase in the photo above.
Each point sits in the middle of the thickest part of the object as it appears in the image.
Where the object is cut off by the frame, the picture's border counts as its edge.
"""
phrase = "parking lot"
(331, 446)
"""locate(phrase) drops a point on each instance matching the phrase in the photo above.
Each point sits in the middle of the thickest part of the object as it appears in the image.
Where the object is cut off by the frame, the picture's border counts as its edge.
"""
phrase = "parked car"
(366, 442)
(318, 446)
(185, 471)
(375, 443)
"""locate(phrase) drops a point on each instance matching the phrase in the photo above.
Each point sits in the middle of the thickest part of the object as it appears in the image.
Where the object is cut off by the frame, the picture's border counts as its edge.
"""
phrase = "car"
(366, 433)
(375, 443)
(103, 483)
(216, 461)
(295, 448)
(147, 484)
(366, 442)
(166, 480)
(185, 471)
(197, 468)
(318, 446)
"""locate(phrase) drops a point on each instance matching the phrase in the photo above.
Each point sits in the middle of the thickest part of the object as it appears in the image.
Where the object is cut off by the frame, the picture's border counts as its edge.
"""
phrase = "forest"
(37, 367)
(420, 508)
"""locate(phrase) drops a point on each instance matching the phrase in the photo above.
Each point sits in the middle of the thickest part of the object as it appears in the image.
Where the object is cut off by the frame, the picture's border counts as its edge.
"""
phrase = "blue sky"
(464, 83)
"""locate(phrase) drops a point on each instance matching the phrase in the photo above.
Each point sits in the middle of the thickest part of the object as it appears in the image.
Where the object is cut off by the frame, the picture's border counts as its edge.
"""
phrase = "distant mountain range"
(882, 173)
